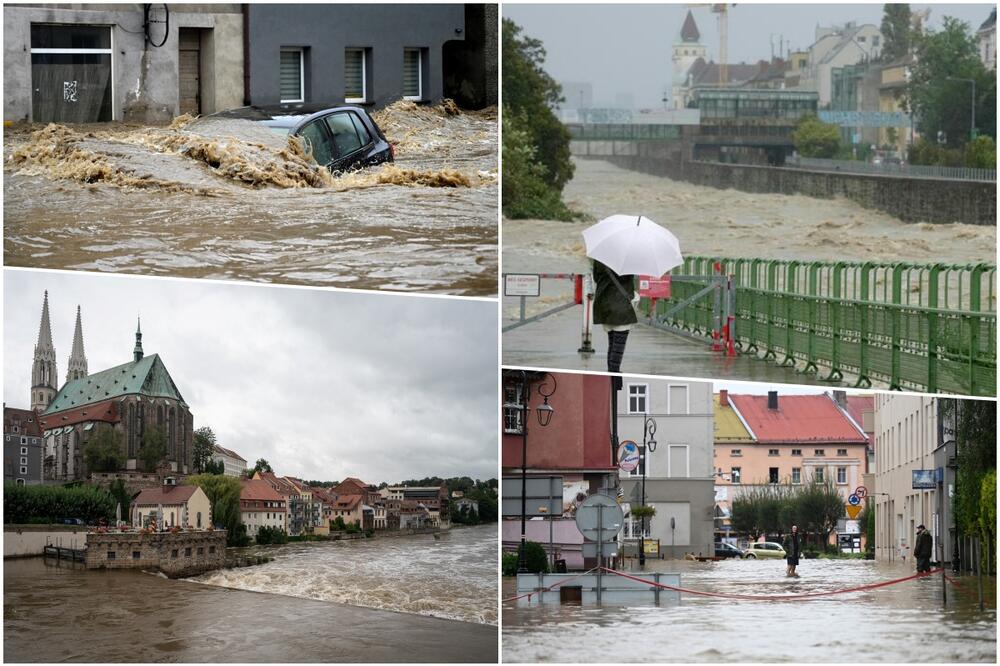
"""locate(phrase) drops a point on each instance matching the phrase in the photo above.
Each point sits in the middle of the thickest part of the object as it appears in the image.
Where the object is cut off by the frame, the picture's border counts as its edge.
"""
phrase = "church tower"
(43, 371)
(137, 352)
(687, 49)
(77, 368)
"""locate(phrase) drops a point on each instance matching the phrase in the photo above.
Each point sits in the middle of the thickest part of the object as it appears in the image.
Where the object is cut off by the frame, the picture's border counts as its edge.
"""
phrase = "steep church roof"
(146, 376)
(689, 31)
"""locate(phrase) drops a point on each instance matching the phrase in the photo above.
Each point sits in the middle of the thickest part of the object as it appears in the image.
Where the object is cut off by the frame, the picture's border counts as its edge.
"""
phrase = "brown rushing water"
(903, 623)
(282, 611)
(228, 199)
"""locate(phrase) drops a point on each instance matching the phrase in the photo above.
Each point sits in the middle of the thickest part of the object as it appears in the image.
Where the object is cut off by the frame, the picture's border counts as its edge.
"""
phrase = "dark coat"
(611, 306)
(923, 548)
(793, 546)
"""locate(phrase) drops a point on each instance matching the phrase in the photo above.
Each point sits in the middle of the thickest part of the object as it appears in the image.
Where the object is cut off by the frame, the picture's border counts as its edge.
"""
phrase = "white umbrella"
(633, 245)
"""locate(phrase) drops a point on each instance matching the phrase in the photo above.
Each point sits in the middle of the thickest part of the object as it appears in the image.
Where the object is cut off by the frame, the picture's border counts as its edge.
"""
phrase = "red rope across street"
(775, 597)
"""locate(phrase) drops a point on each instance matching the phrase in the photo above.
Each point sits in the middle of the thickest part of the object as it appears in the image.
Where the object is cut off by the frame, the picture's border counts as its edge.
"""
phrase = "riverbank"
(129, 616)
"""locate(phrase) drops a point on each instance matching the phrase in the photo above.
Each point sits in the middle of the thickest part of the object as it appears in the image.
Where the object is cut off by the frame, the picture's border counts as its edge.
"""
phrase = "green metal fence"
(911, 326)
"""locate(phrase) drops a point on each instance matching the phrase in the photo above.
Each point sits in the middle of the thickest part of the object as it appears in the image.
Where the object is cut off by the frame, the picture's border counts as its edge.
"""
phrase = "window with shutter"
(291, 76)
(354, 75)
(412, 76)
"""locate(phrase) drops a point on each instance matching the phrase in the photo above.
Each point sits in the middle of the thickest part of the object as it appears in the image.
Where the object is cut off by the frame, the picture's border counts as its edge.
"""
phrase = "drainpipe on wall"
(245, 10)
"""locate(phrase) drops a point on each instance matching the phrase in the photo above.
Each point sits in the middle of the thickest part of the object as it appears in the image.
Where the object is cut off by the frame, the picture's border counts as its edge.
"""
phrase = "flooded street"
(899, 623)
(729, 223)
(130, 616)
(231, 199)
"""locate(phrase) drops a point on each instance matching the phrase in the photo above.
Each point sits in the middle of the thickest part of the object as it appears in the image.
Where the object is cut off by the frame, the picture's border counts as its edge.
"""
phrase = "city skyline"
(269, 396)
(639, 38)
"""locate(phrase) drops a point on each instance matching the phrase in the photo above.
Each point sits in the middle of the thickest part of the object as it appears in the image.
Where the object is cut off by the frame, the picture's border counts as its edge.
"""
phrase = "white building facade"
(906, 435)
(679, 472)
(233, 463)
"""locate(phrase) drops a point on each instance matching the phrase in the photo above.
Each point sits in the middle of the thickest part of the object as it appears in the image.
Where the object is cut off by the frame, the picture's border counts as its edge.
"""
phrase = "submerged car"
(726, 550)
(764, 550)
(341, 139)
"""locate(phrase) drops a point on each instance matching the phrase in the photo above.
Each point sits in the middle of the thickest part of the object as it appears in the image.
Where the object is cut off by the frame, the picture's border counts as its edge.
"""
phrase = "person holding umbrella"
(614, 309)
(622, 247)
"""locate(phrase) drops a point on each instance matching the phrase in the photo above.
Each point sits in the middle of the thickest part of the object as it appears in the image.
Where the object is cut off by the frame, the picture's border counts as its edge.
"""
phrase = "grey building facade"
(22, 447)
(680, 481)
(317, 55)
(103, 62)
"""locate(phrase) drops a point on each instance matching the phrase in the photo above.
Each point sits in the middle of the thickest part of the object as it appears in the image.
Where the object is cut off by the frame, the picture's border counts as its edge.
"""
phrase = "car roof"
(285, 118)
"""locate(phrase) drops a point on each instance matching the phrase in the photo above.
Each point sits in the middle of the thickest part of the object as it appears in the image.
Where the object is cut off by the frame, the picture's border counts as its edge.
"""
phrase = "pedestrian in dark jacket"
(793, 550)
(923, 549)
(613, 309)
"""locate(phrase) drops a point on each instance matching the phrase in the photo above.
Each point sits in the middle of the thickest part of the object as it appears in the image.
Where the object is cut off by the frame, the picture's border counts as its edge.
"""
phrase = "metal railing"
(908, 170)
(919, 327)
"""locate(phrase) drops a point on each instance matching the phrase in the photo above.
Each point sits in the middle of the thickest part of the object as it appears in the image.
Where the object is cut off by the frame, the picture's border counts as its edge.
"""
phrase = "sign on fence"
(521, 285)
(654, 287)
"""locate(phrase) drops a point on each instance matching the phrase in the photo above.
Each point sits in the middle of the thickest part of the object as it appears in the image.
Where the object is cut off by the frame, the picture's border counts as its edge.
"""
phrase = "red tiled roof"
(258, 489)
(106, 411)
(857, 405)
(165, 495)
(348, 502)
(283, 486)
(799, 418)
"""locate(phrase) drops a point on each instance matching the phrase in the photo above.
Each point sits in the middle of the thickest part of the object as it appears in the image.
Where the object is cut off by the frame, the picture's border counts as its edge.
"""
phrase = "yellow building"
(731, 434)
(895, 76)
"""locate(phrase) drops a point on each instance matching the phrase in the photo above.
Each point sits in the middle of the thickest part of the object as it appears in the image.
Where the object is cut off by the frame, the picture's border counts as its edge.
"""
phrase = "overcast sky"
(627, 48)
(322, 384)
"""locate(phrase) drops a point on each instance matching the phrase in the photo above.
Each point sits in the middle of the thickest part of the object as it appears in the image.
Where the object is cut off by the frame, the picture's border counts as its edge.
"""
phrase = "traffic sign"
(861, 492)
(854, 500)
(611, 518)
(610, 548)
(853, 510)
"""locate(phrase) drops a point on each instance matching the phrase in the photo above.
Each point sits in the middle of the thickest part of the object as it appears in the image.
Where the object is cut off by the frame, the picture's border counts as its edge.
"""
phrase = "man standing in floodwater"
(923, 549)
(793, 549)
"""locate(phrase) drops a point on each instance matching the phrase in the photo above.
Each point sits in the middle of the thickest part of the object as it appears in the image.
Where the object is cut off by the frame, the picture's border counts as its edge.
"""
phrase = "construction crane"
(723, 11)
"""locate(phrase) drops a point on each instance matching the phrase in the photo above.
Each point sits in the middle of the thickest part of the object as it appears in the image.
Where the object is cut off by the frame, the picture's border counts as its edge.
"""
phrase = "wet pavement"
(552, 342)
(227, 198)
(905, 623)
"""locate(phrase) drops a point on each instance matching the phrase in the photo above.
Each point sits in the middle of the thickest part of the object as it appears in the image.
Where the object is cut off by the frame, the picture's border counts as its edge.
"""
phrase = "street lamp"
(648, 446)
(972, 130)
(545, 414)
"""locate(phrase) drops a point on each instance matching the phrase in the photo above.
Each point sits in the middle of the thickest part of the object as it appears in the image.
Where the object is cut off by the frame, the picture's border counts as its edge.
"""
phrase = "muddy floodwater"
(231, 199)
(904, 623)
(729, 223)
(369, 601)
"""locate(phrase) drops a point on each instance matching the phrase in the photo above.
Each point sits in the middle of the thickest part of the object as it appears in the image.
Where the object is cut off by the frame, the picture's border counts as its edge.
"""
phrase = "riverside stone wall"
(938, 201)
(177, 554)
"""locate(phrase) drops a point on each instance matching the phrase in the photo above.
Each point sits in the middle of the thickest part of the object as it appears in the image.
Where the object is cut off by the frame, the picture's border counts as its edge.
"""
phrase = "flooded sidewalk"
(230, 199)
(552, 342)
(906, 622)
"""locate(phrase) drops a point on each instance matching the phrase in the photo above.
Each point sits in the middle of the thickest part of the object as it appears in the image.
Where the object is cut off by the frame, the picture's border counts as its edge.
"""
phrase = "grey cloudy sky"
(626, 48)
(322, 384)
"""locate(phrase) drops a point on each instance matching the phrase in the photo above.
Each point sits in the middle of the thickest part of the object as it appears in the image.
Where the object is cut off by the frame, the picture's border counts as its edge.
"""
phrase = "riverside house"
(177, 506)
(262, 506)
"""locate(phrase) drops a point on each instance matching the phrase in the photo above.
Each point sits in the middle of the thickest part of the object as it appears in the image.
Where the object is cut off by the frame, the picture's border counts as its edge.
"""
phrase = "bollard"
(584, 294)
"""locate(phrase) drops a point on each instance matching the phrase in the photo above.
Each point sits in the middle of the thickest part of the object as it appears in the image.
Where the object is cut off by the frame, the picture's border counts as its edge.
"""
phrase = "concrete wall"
(936, 201)
(175, 554)
(324, 31)
(145, 82)
(29, 540)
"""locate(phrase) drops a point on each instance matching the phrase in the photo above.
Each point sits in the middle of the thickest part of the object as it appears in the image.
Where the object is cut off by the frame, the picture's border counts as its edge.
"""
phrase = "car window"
(359, 125)
(317, 142)
(345, 136)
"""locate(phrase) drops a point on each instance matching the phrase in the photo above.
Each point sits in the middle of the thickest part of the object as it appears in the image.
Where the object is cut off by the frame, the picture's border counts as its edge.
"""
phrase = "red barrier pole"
(578, 288)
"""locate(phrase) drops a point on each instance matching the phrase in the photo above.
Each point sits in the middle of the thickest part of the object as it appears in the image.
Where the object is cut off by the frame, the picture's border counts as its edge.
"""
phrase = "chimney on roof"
(724, 397)
(772, 399)
(840, 397)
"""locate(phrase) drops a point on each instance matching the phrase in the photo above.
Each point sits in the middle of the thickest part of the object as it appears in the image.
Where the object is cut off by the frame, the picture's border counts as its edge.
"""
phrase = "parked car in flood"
(727, 550)
(765, 550)
(343, 138)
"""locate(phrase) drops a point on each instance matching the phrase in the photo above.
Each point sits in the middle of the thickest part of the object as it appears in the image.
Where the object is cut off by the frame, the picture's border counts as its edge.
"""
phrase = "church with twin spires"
(130, 399)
